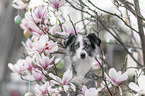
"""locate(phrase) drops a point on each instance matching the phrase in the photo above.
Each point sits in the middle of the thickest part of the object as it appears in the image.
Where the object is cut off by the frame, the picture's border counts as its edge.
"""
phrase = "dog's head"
(82, 46)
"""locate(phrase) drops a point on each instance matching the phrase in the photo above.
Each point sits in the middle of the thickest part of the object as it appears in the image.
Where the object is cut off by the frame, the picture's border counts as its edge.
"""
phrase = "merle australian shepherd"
(82, 50)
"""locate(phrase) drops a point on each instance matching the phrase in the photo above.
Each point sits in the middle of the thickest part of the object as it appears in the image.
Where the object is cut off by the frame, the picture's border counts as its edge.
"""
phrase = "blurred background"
(10, 41)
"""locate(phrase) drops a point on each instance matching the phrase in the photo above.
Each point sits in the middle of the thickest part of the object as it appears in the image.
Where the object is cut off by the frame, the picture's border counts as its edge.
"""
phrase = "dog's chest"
(82, 67)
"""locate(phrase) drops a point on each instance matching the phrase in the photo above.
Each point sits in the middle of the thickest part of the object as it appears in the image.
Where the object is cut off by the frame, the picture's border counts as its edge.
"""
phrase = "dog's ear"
(94, 39)
(70, 40)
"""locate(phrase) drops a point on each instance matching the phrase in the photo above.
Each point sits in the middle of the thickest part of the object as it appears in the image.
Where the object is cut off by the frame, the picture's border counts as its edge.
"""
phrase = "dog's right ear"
(69, 40)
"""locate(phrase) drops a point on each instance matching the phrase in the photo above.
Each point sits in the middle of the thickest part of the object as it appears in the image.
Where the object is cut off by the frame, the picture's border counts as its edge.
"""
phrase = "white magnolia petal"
(123, 77)
(67, 76)
(91, 92)
(142, 92)
(120, 90)
(141, 81)
(84, 88)
(56, 78)
(119, 73)
(54, 82)
(73, 86)
(107, 77)
(136, 94)
(11, 66)
(66, 87)
(134, 86)
(112, 74)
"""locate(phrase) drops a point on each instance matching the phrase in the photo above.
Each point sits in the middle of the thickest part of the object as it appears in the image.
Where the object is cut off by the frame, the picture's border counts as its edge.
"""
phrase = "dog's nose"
(83, 55)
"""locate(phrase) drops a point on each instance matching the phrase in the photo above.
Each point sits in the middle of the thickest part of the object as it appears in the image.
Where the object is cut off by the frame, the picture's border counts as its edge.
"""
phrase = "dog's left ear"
(94, 39)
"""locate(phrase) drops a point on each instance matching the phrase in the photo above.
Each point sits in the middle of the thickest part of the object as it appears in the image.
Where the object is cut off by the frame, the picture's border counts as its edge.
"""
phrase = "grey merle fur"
(90, 44)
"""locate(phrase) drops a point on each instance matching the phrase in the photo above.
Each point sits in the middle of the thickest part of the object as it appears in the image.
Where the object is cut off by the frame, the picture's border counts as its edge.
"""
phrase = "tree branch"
(127, 6)
(140, 27)
(114, 15)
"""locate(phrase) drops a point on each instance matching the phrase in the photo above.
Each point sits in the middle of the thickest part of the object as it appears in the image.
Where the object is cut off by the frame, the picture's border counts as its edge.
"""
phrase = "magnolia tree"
(46, 25)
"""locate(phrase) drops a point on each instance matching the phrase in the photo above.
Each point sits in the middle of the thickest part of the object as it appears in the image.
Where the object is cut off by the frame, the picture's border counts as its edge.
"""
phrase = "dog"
(81, 50)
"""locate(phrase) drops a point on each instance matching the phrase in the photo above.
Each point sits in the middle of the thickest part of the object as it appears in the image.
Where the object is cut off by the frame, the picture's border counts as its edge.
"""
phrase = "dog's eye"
(87, 46)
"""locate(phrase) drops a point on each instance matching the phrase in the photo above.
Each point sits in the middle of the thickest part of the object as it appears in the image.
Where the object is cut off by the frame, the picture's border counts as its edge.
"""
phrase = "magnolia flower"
(44, 45)
(18, 67)
(140, 88)
(37, 76)
(64, 81)
(28, 17)
(30, 23)
(56, 3)
(41, 43)
(29, 46)
(116, 77)
(25, 25)
(67, 29)
(40, 14)
(35, 36)
(89, 92)
(28, 63)
(43, 61)
(19, 4)
(42, 90)
(50, 47)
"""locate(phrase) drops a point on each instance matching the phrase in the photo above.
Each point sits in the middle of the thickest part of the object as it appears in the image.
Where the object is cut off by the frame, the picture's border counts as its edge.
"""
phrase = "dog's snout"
(83, 55)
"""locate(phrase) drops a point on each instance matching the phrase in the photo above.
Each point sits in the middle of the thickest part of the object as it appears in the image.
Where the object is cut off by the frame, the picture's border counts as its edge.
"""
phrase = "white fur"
(82, 66)
(80, 49)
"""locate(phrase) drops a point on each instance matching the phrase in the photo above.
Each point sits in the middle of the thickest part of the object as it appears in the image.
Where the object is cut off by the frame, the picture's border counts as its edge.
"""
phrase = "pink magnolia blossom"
(19, 4)
(29, 46)
(25, 25)
(42, 90)
(47, 46)
(64, 81)
(30, 23)
(37, 76)
(67, 29)
(140, 87)
(116, 77)
(56, 3)
(40, 14)
(43, 61)
(18, 67)
(50, 47)
(89, 92)
(39, 44)
(28, 63)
